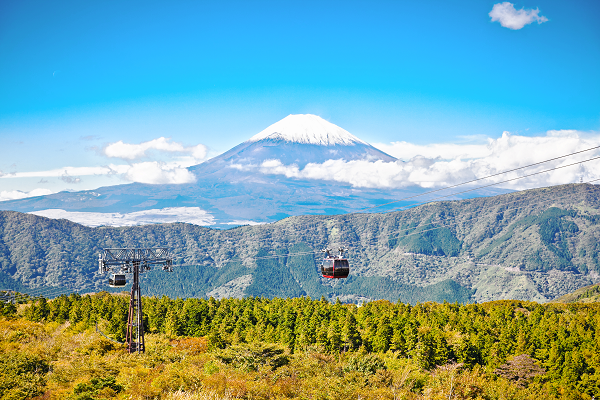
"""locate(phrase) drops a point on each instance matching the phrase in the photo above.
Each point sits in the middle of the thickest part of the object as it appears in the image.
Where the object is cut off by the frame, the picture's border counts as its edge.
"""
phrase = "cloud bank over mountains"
(428, 166)
(129, 151)
(18, 194)
(305, 165)
(439, 165)
(157, 161)
(191, 215)
(152, 171)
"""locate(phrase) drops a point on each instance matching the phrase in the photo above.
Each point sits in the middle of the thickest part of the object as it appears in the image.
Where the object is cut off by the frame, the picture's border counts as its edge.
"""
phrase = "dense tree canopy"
(564, 339)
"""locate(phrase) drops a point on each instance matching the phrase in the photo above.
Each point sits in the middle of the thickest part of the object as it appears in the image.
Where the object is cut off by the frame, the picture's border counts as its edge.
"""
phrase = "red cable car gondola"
(335, 267)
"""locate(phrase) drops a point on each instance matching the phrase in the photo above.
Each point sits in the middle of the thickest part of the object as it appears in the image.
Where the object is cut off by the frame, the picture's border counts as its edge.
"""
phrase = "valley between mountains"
(532, 245)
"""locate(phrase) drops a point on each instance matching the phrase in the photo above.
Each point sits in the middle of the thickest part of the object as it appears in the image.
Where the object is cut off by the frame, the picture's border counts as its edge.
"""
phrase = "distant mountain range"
(258, 181)
(532, 245)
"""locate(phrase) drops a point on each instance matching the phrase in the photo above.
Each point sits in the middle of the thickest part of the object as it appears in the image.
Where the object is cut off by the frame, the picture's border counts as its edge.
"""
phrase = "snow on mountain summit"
(309, 129)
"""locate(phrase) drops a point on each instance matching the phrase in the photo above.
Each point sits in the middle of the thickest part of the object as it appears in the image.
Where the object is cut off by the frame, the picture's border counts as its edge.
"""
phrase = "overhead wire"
(38, 292)
(415, 205)
(482, 178)
(227, 261)
(510, 209)
(498, 183)
(46, 293)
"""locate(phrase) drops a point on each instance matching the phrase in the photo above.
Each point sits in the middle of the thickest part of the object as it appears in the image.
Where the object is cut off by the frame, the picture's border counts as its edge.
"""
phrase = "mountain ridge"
(532, 245)
(586, 294)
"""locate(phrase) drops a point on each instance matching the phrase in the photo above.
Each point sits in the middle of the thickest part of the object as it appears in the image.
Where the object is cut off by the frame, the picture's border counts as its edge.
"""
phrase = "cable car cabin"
(335, 267)
(116, 280)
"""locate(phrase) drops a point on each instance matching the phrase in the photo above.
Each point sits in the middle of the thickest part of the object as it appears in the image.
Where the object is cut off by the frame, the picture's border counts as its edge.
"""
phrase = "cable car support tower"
(134, 261)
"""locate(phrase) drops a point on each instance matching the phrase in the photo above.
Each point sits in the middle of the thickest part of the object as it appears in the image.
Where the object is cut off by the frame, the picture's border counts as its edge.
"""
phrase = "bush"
(367, 364)
(520, 369)
(88, 391)
(22, 375)
(192, 346)
(250, 356)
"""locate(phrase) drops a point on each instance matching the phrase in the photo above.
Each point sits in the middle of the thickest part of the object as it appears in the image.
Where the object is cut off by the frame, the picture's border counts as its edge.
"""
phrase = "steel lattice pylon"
(135, 261)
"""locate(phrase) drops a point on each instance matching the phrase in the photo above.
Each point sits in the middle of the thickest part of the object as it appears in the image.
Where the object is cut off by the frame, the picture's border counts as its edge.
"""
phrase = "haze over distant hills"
(276, 173)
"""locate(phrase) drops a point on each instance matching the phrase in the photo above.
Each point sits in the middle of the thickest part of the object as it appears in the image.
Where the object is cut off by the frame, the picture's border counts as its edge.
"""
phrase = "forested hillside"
(587, 294)
(302, 348)
(531, 245)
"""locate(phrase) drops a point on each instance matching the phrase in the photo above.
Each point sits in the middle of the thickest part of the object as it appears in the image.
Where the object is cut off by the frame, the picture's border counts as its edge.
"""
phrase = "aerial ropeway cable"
(275, 256)
(33, 293)
(498, 183)
(487, 177)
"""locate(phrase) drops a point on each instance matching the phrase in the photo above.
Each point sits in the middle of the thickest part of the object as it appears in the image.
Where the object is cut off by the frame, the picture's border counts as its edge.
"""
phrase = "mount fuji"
(295, 140)
(257, 181)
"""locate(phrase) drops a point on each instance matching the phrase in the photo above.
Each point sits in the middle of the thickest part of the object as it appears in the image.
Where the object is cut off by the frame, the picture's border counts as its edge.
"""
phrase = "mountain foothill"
(535, 245)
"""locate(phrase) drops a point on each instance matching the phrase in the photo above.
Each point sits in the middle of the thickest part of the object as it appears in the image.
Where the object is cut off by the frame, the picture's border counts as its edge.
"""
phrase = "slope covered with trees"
(303, 348)
(587, 294)
(531, 245)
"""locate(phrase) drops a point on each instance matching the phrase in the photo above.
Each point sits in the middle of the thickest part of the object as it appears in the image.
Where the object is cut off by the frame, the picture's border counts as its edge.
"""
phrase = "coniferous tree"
(334, 337)
(40, 311)
(350, 334)
(425, 350)
(383, 335)
(173, 325)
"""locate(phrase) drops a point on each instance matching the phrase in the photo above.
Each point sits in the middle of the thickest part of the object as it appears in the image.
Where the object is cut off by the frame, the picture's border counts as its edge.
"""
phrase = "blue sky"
(76, 76)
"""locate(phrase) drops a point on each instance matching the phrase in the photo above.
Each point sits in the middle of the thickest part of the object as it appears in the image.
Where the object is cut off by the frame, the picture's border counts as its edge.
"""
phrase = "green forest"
(260, 348)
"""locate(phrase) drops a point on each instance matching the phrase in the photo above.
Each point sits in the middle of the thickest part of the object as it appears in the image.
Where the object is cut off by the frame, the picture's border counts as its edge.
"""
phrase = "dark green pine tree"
(411, 338)
(383, 335)
(173, 325)
(334, 337)
(350, 334)
(64, 309)
(425, 351)
(321, 335)
(442, 350)
(117, 326)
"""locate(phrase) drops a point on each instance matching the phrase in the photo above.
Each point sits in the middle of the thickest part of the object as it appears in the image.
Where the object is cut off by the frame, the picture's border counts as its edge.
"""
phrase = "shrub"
(192, 346)
(22, 375)
(368, 364)
(520, 369)
(250, 356)
(88, 391)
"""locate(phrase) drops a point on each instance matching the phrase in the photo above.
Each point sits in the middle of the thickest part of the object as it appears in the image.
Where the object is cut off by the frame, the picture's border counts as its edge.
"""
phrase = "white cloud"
(439, 165)
(406, 151)
(514, 19)
(128, 151)
(244, 222)
(158, 173)
(17, 194)
(72, 171)
(199, 151)
(144, 172)
(191, 215)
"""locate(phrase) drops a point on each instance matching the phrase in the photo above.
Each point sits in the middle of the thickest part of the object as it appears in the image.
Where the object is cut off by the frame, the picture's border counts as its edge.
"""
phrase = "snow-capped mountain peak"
(309, 129)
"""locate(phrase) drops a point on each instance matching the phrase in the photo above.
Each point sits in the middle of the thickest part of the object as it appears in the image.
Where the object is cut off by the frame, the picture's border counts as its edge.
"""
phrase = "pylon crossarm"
(136, 261)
